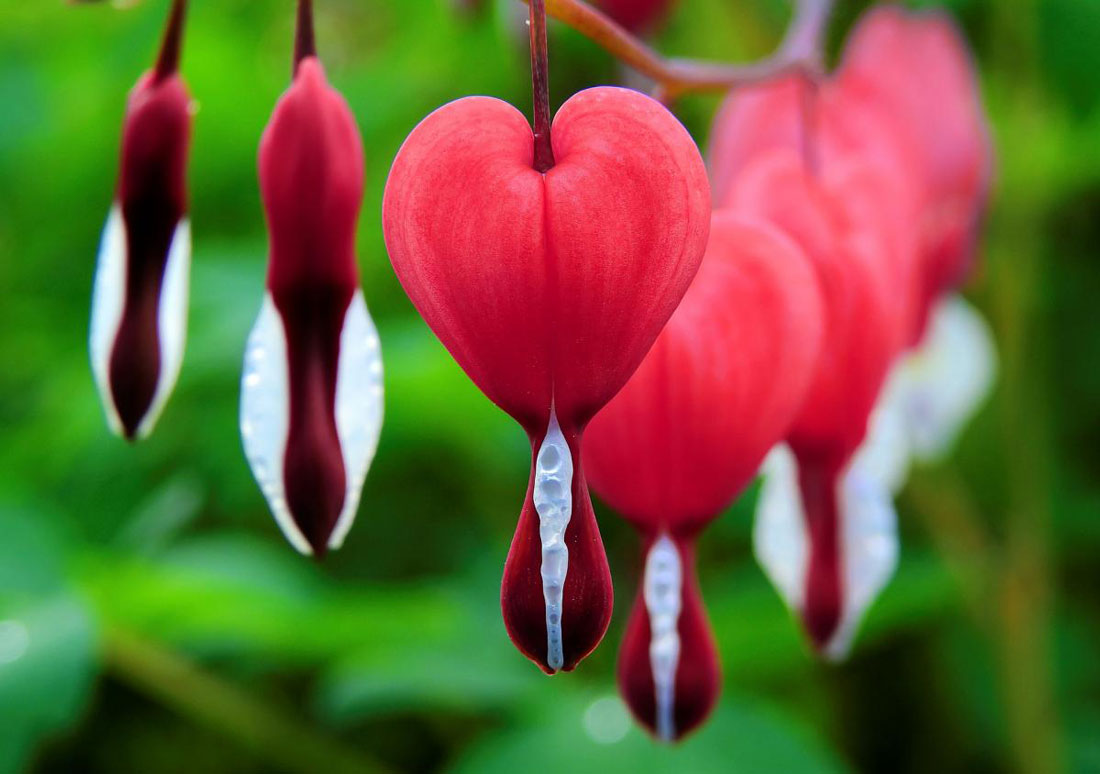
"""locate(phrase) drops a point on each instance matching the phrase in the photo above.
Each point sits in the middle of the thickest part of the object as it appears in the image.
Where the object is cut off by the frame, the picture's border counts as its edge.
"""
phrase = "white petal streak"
(947, 377)
(108, 297)
(869, 549)
(779, 529)
(265, 415)
(359, 406)
(868, 539)
(171, 322)
(663, 588)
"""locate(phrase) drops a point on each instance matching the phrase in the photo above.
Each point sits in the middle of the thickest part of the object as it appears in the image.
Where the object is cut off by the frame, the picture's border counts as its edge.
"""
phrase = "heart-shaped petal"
(548, 289)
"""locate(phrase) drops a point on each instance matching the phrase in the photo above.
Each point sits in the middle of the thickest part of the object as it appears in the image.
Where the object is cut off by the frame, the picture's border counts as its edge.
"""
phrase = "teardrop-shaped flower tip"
(668, 669)
(139, 301)
(826, 535)
(311, 394)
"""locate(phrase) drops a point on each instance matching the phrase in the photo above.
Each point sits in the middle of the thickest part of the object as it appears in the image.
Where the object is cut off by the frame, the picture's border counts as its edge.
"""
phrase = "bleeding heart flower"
(833, 128)
(311, 394)
(139, 302)
(916, 68)
(840, 219)
(685, 436)
(548, 288)
(635, 15)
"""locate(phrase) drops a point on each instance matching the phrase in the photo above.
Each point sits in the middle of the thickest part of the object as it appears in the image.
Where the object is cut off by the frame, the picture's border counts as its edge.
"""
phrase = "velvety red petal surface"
(832, 217)
(832, 127)
(718, 389)
(916, 66)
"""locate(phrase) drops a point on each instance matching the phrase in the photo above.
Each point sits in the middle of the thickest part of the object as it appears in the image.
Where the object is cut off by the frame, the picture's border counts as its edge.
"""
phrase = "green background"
(152, 618)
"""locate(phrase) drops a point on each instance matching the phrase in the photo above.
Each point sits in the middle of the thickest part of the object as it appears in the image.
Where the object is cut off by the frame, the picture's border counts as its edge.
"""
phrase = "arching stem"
(800, 51)
(168, 61)
(304, 42)
(540, 84)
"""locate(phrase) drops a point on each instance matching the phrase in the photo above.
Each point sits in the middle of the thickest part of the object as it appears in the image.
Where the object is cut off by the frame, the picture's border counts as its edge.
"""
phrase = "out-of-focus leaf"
(47, 641)
(588, 733)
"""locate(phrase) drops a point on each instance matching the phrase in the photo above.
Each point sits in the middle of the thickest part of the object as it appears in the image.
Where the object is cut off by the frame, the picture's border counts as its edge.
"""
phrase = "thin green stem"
(285, 743)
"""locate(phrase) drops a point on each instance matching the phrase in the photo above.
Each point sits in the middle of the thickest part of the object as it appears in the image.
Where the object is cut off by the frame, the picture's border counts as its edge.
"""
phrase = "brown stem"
(304, 42)
(540, 84)
(168, 61)
(800, 50)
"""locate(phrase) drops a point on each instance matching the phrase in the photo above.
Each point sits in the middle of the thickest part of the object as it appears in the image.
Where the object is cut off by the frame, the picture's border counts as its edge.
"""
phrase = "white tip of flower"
(265, 415)
(108, 298)
(662, 587)
(869, 550)
(171, 322)
(108, 305)
(884, 455)
(947, 377)
(779, 536)
(359, 407)
(868, 544)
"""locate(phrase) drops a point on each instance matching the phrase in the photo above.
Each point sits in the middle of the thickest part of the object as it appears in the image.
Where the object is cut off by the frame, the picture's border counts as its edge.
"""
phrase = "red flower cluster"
(845, 211)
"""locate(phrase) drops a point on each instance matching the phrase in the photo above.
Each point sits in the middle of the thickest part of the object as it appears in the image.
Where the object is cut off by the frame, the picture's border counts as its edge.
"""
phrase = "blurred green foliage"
(152, 618)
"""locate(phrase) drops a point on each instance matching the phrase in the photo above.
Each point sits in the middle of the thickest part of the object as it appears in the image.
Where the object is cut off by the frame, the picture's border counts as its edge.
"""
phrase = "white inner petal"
(869, 550)
(358, 406)
(265, 415)
(884, 454)
(868, 539)
(780, 541)
(171, 321)
(553, 498)
(663, 591)
(108, 297)
(947, 377)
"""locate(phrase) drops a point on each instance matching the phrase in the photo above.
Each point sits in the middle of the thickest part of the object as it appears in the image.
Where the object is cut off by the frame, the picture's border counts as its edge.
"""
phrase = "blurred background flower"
(151, 618)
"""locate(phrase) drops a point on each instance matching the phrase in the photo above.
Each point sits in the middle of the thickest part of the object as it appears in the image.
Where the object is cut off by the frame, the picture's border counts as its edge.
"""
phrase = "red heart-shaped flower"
(548, 289)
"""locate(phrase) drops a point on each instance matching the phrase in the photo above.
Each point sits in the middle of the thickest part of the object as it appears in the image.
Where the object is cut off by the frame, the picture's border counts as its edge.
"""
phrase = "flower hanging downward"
(139, 302)
(721, 385)
(311, 395)
(811, 542)
(547, 263)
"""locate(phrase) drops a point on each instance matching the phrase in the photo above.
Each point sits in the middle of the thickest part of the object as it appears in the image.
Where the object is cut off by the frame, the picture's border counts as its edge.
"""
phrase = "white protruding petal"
(108, 297)
(265, 415)
(553, 500)
(884, 454)
(171, 322)
(662, 588)
(779, 529)
(869, 539)
(358, 406)
(947, 377)
(868, 549)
